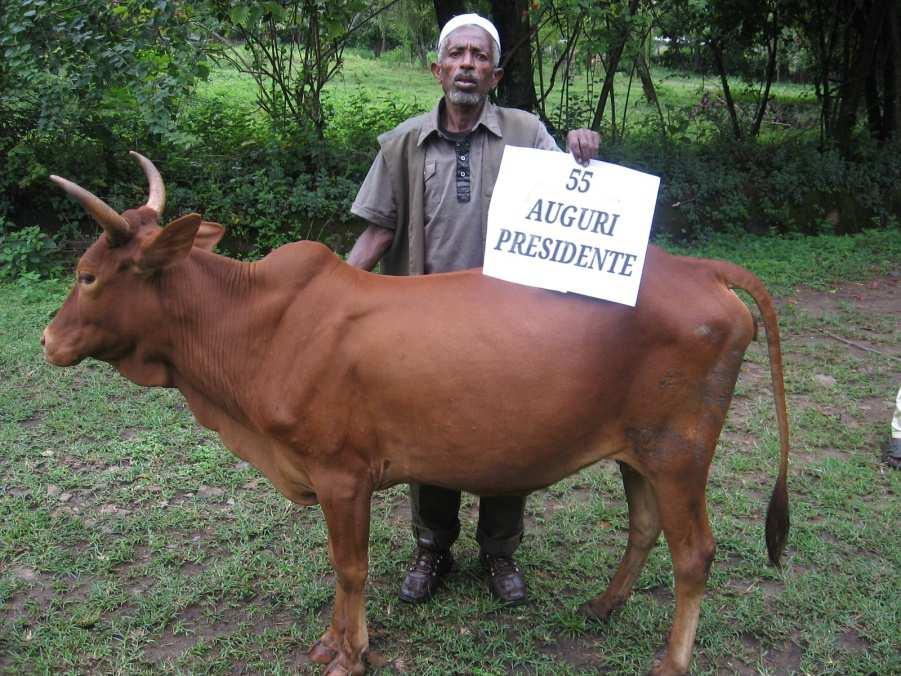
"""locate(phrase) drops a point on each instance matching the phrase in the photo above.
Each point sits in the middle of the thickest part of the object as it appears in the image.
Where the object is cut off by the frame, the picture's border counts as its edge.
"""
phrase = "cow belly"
(503, 472)
(524, 411)
(493, 450)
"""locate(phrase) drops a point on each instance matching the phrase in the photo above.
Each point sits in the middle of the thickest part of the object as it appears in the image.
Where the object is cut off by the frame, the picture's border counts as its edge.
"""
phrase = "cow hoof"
(666, 668)
(599, 609)
(339, 667)
(321, 653)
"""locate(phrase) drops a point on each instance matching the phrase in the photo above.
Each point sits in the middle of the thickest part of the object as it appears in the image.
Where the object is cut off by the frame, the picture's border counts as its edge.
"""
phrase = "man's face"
(466, 69)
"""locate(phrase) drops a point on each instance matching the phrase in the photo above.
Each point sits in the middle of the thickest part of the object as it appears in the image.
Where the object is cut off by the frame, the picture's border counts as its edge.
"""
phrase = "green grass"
(395, 77)
(390, 76)
(132, 542)
(784, 263)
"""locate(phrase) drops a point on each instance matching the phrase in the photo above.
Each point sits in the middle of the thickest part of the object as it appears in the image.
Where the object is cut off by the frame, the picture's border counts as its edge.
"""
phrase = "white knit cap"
(470, 20)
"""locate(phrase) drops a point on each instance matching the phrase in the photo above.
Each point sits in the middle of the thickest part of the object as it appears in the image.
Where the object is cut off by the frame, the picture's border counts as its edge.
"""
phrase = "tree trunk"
(717, 50)
(445, 10)
(827, 45)
(772, 50)
(860, 62)
(893, 73)
(516, 89)
(422, 51)
(381, 43)
(612, 65)
(872, 100)
(650, 92)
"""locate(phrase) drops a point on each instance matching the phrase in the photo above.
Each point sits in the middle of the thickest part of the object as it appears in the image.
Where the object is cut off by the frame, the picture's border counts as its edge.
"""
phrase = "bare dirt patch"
(877, 303)
(208, 624)
(785, 658)
(576, 654)
(879, 296)
(853, 642)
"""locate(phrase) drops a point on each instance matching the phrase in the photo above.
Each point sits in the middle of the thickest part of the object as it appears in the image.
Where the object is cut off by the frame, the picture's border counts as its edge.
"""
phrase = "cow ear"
(171, 244)
(208, 235)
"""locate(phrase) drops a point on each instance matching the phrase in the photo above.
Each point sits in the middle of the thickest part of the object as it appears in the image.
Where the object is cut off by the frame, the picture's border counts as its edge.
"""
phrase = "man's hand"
(583, 144)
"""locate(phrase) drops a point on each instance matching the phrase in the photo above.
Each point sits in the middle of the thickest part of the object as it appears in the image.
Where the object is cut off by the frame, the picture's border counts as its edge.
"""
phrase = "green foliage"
(82, 84)
(266, 190)
(27, 254)
(269, 188)
(356, 121)
(788, 187)
(65, 67)
(81, 80)
(291, 48)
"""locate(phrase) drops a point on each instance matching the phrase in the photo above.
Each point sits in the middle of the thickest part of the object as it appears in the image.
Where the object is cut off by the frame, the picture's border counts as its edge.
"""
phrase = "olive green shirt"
(413, 187)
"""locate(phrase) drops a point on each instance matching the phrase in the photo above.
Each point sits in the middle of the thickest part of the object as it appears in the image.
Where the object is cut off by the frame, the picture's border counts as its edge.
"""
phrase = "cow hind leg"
(644, 529)
(683, 511)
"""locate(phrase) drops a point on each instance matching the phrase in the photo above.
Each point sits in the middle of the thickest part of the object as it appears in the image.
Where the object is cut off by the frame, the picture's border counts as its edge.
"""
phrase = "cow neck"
(205, 307)
(224, 314)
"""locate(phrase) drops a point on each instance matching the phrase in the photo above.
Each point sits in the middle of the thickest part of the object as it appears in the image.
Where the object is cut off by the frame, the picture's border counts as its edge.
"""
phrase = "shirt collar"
(487, 119)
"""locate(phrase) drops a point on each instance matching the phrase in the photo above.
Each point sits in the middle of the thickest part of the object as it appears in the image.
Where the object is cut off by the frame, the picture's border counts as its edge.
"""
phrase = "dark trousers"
(436, 524)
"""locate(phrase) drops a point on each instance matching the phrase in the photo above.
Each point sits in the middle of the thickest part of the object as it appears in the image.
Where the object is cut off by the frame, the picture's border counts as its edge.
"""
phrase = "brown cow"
(335, 383)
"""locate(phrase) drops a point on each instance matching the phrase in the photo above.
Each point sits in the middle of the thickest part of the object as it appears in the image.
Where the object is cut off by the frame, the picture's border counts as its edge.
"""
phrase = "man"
(426, 198)
(893, 452)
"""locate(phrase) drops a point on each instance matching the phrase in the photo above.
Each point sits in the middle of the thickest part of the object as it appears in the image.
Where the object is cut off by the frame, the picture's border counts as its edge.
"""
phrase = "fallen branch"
(858, 345)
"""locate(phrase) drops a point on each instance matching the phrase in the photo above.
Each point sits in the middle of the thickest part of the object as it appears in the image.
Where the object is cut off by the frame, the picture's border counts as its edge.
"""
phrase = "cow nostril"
(43, 339)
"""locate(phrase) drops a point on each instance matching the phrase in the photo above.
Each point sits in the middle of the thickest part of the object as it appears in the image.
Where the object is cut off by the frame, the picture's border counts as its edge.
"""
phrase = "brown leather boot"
(424, 576)
(505, 580)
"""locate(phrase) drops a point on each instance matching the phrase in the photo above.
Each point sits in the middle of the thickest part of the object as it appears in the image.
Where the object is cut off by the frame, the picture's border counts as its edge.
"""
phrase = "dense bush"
(788, 187)
(72, 75)
(27, 253)
(266, 189)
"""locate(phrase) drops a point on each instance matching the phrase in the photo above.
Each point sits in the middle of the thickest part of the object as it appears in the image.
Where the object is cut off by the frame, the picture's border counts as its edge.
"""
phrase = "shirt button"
(463, 157)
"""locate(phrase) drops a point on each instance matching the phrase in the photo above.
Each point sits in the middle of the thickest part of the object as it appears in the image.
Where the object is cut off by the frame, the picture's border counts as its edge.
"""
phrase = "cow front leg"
(326, 648)
(346, 507)
(644, 529)
(682, 506)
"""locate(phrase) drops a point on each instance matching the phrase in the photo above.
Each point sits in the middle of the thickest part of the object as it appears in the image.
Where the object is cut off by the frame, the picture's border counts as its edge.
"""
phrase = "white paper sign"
(555, 224)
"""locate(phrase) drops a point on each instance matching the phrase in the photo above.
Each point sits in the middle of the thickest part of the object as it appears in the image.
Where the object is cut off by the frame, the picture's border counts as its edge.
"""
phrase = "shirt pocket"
(429, 170)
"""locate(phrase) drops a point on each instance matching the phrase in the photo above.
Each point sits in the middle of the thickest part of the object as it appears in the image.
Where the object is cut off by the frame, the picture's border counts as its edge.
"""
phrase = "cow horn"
(157, 199)
(116, 227)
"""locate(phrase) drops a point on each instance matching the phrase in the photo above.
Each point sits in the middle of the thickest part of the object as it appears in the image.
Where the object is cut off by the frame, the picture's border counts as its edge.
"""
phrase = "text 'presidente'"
(564, 251)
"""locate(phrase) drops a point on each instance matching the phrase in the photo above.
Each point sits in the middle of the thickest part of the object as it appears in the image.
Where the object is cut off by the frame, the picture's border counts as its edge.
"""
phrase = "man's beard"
(459, 98)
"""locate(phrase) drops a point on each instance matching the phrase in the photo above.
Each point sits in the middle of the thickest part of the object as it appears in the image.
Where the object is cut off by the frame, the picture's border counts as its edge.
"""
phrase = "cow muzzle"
(54, 353)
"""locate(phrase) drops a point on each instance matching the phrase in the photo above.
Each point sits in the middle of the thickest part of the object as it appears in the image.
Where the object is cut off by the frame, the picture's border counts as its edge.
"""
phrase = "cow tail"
(777, 518)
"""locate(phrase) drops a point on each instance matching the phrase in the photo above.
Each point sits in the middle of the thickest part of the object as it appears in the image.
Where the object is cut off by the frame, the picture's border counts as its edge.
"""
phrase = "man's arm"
(370, 246)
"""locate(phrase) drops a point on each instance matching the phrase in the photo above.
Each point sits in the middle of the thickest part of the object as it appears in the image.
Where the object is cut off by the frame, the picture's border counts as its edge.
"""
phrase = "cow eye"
(86, 278)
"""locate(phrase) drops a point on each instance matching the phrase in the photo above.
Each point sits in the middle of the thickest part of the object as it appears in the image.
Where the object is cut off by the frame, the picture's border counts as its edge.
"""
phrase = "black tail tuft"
(777, 522)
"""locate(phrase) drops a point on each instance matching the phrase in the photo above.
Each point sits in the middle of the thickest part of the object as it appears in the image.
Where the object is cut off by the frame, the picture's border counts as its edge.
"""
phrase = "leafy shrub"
(269, 188)
(227, 163)
(357, 120)
(27, 253)
(783, 187)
